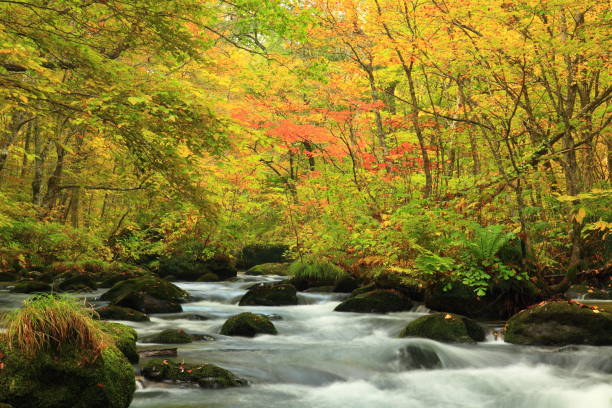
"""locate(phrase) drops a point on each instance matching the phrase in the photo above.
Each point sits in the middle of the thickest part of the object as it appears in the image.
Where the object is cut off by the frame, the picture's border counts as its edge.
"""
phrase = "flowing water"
(326, 359)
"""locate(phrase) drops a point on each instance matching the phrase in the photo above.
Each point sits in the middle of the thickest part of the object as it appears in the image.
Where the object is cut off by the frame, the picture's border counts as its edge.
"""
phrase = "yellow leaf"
(580, 215)
(448, 316)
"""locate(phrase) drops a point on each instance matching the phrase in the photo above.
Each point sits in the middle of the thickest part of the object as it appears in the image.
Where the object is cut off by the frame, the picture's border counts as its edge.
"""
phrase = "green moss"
(376, 301)
(169, 336)
(125, 339)
(269, 269)
(248, 325)
(560, 323)
(112, 312)
(445, 327)
(205, 375)
(275, 295)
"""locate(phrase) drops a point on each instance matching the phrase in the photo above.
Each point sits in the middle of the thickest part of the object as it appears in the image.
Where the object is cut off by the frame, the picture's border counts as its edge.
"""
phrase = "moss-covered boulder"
(125, 339)
(376, 301)
(147, 295)
(186, 267)
(258, 254)
(445, 327)
(560, 323)
(170, 336)
(67, 379)
(271, 268)
(205, 375)
(112, 312)
(270, 295)
(502, 300)
(31, 287)
(248, 325)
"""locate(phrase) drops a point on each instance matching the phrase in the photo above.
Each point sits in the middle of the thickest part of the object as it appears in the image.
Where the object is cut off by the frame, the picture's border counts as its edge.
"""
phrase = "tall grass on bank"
(48, 323)
(315, 270)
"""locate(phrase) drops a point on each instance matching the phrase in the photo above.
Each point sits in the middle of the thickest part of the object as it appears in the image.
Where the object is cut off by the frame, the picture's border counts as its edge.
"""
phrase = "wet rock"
(268, 269)
(205, 375)
(416, 356)
(560, 323)
(248, 325)
(270, 295)
(175, 336)
(445, 327)
(147, 295)
(376, 301)
(112, 312)
(31, 287)
(125, 339)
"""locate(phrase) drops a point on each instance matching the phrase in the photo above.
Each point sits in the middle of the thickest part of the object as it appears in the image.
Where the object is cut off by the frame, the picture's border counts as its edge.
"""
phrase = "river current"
(326, 359)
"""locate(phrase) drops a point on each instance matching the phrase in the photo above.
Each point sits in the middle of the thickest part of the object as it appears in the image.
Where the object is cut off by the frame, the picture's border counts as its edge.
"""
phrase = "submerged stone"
(445, 327)
(205, 375)
(560, 323)
(112, 312)
(248, 325)
(416, 356)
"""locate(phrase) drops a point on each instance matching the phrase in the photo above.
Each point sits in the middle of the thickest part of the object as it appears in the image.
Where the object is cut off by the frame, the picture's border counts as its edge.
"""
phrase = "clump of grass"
(48, 323)
(311, 269)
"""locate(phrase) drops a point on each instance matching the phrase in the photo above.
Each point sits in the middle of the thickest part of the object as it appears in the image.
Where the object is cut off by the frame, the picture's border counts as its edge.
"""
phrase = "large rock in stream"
(68, 378)
(205, 375)
(560, 323)
(445, 327)
(147, 295)
(270, 295)
(376, 301)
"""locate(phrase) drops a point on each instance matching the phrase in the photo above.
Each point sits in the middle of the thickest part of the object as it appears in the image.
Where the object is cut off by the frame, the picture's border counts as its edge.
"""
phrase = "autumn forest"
(435, 169)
